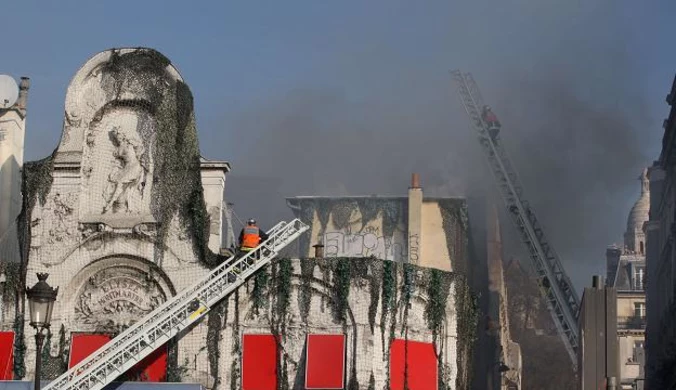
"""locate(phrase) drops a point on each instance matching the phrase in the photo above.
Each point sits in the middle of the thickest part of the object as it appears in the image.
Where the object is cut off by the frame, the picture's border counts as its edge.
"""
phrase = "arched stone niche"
(106, 78)
(112, 293)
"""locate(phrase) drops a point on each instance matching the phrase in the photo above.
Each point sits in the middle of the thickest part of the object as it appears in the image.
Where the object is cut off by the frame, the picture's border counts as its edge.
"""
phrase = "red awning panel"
(6, 356)
(83, 345)
(325, 368)
(259, 362)
(422, 365)
(151, 369)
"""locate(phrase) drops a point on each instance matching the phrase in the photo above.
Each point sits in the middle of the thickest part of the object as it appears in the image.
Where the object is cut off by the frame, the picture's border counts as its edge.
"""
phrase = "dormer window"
(638, 278)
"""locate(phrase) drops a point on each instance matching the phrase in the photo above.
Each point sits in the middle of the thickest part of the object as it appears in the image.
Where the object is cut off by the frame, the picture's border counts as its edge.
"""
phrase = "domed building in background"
(626, 270)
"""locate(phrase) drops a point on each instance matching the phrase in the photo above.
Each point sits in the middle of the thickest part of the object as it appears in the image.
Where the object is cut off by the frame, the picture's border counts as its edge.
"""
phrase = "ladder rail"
(174, 316)
(550, 254)
(170, 303)
(561, 298)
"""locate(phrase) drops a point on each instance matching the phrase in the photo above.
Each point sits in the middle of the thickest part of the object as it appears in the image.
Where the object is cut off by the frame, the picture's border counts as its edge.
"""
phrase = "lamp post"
(41, 299)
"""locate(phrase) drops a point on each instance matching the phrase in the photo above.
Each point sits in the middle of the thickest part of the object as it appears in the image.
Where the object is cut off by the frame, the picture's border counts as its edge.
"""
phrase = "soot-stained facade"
(428, 232)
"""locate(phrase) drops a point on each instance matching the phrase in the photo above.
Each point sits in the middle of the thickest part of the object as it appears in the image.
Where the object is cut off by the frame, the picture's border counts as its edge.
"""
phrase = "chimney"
(319, 251)
(415, 201)
(415, 181)
(597, 282)
(24, 85)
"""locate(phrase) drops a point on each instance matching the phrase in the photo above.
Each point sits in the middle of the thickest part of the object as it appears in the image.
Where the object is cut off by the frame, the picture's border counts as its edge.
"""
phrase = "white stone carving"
(114, 298)
(129, 176)
(62, 228)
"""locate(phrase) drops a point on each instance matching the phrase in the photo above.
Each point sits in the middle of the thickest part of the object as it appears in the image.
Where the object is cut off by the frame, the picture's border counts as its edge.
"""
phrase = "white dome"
(639, 213)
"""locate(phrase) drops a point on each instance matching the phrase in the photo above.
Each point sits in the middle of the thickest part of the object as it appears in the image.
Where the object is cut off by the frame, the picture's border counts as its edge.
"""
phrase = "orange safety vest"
(251, 238)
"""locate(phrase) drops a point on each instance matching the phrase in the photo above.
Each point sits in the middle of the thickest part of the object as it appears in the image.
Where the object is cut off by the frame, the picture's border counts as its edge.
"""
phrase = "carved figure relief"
(115, 298)
(62, 207)
(129, 176)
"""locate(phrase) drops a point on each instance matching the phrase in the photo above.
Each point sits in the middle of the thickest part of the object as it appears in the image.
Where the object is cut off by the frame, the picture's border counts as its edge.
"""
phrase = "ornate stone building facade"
(626, 271)
(125, 213)
(661, 259)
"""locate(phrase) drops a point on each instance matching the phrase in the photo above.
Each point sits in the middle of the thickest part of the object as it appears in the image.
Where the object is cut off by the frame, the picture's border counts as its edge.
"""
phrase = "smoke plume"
(559, 79)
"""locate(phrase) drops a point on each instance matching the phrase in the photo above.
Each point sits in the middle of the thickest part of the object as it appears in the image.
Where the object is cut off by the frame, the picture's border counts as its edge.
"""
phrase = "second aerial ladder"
(556, 287)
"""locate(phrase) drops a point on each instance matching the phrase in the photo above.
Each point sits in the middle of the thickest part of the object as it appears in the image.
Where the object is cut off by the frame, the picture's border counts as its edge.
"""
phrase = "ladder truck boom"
(174, 316)
(555, 286)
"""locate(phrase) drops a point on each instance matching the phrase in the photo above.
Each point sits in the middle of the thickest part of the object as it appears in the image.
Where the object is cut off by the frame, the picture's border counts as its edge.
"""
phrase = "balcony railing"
(634, 322)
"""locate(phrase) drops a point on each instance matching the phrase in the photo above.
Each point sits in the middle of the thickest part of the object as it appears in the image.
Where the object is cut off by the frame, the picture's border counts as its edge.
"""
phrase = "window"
(638, 354)
(325, 368)
(420, 363)
(639, 309)
(6, 356)
(259, 362)
(641, 247)
(638, 278)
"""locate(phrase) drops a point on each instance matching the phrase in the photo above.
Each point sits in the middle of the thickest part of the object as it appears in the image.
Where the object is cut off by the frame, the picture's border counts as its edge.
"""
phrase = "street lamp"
(40, 303)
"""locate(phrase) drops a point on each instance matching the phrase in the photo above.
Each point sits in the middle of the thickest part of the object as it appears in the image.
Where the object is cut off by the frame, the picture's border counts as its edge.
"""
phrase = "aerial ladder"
(174, 316)
(555, 286)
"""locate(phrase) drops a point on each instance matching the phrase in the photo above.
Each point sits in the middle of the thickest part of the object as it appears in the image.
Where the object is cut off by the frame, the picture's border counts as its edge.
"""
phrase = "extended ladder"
(558, 291)
(175, 315)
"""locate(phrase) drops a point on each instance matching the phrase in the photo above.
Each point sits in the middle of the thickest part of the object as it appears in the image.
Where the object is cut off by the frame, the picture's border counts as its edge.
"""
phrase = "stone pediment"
(128, 161)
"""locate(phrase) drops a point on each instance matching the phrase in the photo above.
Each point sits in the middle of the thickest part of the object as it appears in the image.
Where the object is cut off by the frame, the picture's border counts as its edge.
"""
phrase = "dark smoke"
(558, 76)
(580, 166)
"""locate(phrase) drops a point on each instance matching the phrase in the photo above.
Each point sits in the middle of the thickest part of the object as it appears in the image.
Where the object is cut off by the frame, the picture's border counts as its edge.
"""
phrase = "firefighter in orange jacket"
(251, 236)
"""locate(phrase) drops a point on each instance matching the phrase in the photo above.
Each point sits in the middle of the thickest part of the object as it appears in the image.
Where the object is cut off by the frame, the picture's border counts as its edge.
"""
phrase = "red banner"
(259, 362)
(6, 356)
(422, 367)
(151, 369)
(325, 357)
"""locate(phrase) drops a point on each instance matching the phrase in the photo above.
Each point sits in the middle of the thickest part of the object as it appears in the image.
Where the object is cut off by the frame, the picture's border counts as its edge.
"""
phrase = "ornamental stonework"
(114, 298)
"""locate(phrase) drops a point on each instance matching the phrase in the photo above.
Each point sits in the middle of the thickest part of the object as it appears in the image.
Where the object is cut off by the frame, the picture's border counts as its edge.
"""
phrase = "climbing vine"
(307, 270)
(176, 372)
(215, 320)
(388, 298)
(259, 293)
(341, 289)
(393, 286)
(235, 373)
(468, 320)
(283, 275)
(36, 183)
(374, 290)
(176, 189)
(438, 288)
(53, 366)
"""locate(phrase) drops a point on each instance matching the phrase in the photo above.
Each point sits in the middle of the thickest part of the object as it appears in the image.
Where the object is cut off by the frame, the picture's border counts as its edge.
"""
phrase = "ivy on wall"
(177, 188)
(235, 373)
(391, 285)
(53, 366)
(466, 307)
(36, 183)
(175, 372)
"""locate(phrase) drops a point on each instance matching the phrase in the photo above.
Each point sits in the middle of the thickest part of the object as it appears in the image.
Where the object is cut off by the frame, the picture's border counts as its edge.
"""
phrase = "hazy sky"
(350, 97)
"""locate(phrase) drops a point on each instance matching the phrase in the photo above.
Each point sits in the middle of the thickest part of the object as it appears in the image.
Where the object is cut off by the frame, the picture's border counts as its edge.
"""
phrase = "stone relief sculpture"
(113, 299)
(129, 176)
(62, 207)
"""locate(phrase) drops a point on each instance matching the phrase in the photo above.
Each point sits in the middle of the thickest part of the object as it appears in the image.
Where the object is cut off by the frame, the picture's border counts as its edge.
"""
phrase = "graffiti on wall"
(414, 245)
(369, 242)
